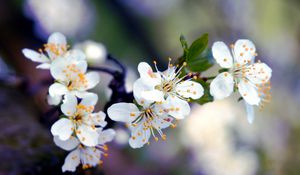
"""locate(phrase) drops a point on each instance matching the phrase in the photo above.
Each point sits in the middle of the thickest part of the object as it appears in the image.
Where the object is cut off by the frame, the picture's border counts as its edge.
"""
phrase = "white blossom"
(85, 155)
(167, 86)
(71, 76)
(251, 79)
(80, 120)
(145, 119)
(56, 47)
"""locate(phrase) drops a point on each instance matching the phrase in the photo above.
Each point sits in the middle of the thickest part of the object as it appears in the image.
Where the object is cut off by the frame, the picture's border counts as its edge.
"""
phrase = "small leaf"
(197, 47)
(201, 63)
(206, 98)
(183, 42)
(184, 45)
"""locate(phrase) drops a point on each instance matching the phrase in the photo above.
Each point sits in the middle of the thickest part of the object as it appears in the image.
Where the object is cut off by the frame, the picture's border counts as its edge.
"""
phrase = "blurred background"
(215, 139)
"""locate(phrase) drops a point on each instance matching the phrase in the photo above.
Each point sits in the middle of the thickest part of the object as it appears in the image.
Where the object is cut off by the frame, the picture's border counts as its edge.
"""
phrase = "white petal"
(93, 78)
(190, 89)
(139, 136)
(244, 51)
(35, 56)
(249, 92)
(222, 54)
(222, 86)
(154, 95)
(44, 66)
(259, 73)
(106, 136)
(89, 99)
(250, 112)
(67, 145)
(99, 119)
(57, 38)
(69, 105)
(162, 122)
(176, 107)
(87, 135)
(138, 88)
(59, 68)
(72, 161)
(148, 75)
(57, 89)
(90, 156)
(76, 54)
(170, 73)
(54, 100)
(123, 112)
(63, 128)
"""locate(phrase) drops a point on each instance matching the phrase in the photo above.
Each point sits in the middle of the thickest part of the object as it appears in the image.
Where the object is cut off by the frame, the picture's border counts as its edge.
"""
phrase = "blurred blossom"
(121, 137)
(71, 17)
(130, 79)
(154, 8)
(95, 52)
(209, 134)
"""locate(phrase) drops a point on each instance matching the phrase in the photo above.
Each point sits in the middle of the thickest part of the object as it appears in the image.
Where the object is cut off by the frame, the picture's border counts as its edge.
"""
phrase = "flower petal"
(190, 89)
(67, 145)
(57, 39)
(244, 51)
(93, 78)
(147, 74)
(69, 105)
(87, 135)
(250, 112)
(35, 56)
(89, 99)
(176, 107)
(249, 92)
(123, 112)
(222, 86)
(44, 66)
(138, 88)
(162, 122)
(222, 54)
(57, 89)
(72, 161)
(64, 68)
(139, 136)
(106, 136)
(259, 73)
(99, 119)
(76, 54)
(63, 128)
(153, 95)
(54, 100)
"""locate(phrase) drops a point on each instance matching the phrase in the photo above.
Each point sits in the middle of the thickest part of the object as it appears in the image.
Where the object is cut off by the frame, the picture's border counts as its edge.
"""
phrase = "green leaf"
(197, 47)
(184, 45)
(202, 62)
(199, 57)
(206, 98)
(183, 42)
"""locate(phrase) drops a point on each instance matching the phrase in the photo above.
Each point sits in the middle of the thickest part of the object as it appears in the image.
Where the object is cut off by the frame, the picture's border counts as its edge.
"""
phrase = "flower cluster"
(79, 129)
(160, 98)
(251, 79)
